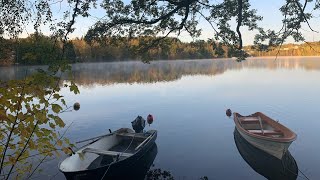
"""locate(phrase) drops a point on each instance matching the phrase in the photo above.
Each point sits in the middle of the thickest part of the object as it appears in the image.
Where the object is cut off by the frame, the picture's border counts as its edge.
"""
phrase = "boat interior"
(106, 150)
(258, 125)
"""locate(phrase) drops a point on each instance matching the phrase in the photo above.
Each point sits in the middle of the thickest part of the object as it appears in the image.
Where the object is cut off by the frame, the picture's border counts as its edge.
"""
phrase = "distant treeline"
(38, 49)
(305, 49)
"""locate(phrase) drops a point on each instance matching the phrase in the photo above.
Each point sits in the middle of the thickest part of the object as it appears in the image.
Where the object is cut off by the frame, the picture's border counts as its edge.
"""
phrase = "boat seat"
(266, 132)
(249, 120)
(105, 152)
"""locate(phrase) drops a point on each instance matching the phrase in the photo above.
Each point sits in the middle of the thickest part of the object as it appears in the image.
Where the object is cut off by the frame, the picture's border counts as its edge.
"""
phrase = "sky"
(269, 9)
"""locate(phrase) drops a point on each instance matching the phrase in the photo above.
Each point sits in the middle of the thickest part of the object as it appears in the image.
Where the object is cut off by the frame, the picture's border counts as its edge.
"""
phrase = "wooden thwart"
(249, 120)
(104, 152)
(260, 121)
(266, 132)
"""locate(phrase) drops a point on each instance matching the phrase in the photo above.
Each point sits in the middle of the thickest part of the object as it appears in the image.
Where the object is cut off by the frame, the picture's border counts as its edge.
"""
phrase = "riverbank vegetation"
(38, 49)
(30, 107)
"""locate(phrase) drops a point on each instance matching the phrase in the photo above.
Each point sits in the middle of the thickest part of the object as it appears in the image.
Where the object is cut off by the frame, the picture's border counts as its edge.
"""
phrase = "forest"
(38, 49)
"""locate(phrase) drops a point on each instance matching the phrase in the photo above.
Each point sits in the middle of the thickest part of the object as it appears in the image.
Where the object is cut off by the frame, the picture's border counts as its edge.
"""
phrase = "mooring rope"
(285, 167)
(303, 174)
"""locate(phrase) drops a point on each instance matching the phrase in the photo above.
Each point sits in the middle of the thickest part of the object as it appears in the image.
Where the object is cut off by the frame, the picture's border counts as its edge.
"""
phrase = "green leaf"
(41, 116)
(63, 102)
(59, 143)
(67, 140)
(59, 121)
(74, 88)
(52, 125)
(57, 96)
(56, 108)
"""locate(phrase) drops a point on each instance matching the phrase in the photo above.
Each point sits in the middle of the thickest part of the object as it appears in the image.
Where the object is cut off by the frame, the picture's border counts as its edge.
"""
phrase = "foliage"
(43, 50)
(159, 174)
(29, 112)
(159, 19)
(151, 18)
(305, 49)
(40, 49)
(119, 49)
(37, 49)
(15, 14)
(294, 16)
(6, 52)
(30, 108)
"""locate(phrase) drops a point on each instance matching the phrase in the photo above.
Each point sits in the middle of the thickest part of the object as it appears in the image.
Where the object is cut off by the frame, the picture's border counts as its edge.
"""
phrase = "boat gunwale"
(290, 138)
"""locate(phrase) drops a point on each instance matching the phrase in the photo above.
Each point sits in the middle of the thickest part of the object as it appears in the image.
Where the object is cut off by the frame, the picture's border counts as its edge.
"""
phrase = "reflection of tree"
(136, 72)
(157, 174)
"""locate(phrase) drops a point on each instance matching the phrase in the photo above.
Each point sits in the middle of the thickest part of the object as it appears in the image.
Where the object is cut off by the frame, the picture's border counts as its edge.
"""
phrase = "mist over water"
(188, 99)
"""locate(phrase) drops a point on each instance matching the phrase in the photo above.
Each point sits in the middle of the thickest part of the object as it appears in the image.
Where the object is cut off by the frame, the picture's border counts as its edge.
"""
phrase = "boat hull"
(265, 133)
(122, 169)
(277, 149)
(265, 164)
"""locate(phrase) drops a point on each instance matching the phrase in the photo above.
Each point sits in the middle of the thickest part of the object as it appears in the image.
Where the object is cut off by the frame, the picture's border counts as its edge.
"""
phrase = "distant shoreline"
(163, 60)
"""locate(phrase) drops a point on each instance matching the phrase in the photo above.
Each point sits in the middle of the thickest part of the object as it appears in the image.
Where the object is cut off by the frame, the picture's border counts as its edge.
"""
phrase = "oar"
(144, 141)
(95, 137)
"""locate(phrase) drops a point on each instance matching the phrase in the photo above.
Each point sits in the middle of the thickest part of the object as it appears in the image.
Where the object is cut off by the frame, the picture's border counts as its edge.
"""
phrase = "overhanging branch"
(239, 23)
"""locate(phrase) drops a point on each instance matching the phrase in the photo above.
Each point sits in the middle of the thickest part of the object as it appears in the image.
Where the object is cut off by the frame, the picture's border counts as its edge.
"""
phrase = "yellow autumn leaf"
(59, 143)
(56, 108)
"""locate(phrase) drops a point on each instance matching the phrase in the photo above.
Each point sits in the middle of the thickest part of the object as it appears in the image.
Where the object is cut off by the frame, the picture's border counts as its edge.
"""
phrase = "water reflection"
(88, 74)
(265, 164)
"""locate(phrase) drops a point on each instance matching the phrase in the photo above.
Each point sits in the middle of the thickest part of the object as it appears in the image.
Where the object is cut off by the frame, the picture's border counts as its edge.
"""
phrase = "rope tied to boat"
(285, 167)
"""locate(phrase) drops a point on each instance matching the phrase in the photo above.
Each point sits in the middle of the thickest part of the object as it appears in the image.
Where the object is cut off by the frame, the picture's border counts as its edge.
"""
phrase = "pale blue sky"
(269, 9)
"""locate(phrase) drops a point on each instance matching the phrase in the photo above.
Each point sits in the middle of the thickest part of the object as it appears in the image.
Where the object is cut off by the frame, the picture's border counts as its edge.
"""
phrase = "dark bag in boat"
(138, 124)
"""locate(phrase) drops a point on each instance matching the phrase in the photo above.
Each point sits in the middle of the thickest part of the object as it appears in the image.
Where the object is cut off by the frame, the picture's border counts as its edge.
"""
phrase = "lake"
(188, 99)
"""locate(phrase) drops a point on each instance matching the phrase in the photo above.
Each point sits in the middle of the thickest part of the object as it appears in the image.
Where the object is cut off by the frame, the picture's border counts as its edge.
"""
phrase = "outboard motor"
(138, 124)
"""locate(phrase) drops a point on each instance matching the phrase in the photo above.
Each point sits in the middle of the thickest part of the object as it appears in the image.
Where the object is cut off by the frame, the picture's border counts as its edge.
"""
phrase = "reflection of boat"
(264, 163)
(110, 155)
(264, 133)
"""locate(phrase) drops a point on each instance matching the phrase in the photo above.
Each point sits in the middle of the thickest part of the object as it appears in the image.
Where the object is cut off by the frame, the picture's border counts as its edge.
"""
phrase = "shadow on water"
(267, 165)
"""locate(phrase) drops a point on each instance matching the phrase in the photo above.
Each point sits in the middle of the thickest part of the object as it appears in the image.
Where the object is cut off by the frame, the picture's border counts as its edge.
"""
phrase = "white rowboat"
(264, 133)
(109, 153)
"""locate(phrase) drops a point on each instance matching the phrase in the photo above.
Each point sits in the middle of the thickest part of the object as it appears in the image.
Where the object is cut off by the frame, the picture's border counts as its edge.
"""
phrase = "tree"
(6, 52)
(70, 53)
(218, 50)
(30, 107)
(151, 18)
(30, 122)
(23, 119)
(37, 49)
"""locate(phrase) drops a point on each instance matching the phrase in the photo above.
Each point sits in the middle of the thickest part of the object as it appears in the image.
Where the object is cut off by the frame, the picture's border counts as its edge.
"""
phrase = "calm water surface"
(188, 100)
